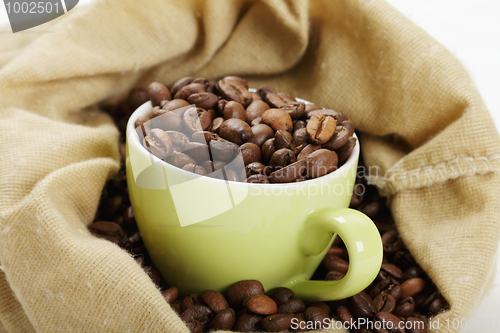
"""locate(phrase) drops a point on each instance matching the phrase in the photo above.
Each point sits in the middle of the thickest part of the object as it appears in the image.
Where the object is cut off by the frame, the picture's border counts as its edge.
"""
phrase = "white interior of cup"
(143, 110)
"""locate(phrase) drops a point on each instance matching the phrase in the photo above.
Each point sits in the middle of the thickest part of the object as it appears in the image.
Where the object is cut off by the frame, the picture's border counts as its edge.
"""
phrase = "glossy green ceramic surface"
(205, 233)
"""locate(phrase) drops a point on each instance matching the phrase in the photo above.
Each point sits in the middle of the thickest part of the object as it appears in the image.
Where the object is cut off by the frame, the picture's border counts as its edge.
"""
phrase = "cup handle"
(363, 244)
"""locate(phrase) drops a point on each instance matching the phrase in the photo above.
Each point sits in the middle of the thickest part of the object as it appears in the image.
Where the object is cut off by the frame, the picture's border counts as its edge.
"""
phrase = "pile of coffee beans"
(401, 294)
(225, 131)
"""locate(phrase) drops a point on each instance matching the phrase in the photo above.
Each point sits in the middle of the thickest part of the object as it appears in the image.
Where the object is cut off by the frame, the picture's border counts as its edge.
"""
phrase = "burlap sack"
(424, 126)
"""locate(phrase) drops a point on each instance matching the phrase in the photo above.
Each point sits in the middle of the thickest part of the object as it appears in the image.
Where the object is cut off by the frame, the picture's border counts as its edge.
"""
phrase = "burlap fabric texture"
(424, 126)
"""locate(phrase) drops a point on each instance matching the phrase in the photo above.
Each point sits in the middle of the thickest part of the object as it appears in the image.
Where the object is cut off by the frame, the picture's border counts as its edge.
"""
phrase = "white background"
(471, 31)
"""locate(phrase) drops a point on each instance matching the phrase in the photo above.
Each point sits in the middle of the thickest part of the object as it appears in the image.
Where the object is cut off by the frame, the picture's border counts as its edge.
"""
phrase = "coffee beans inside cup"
(203, 126)
(402, 292)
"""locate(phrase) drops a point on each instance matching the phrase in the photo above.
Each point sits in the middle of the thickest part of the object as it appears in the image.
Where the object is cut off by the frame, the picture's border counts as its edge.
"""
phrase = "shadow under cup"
(206, 233)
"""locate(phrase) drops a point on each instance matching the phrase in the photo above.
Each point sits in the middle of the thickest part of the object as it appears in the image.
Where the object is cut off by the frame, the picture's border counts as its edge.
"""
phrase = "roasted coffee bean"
(415, 325)
(345, 316)
(402, 259)
(412, 287)
(338, 139)
(264, 90)
(390, 321)
(257, 179)
(139, 260)
(345, 151)
(196, 119)
(390, 270)
(204, 100)
(327, 112)
(257, 168)
(288, 173)
(311, 107)
(232, 109)
(277, 322)
(242, 289)
(108, 230)
(181, 83)
(212, 166)
(238, 79)
(170, 294)
(268, 149)
(405, 307)
(335, 263)
(187, 90)
(260, 304)
(334, 276)
(223, 320)
(316, 315)
(255, 110)
(235, 130)
(256, 121)
(294, 109)
(362, 305)
(198, 151)
(158, 143)
(350, 126)
(281, 158)
(283, 139)
(190, 301)
(260, 134)
(300, 137)
(248, 322)
(155, 112)
(323, 306)
(143, 124)
(214, 300)
(281, 295)
(320, 163)
(287, 96)
(385, 303)
(111, 205)
(391, 241)
(223, 150)
(203, 137)
(438, 305)
(308, 150)
(176, 306)
(175, 104)
(275, 100)
(256, 97)
(180, 159)
(165, 120)
(412, 272)
(137, 97)
(197, 318)
(153, 274)
(250, 152)
(299, 124)
(387, 286)
(278, 120)
(234, 91)
(216, 123)
(198, 169)
(320, 129)
(300, 323)
(336, 251)
(373, 208)
(157, 92)
(179, 140)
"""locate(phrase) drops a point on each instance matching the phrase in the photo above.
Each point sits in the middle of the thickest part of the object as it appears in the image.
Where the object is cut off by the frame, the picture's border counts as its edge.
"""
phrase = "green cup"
(206, 233)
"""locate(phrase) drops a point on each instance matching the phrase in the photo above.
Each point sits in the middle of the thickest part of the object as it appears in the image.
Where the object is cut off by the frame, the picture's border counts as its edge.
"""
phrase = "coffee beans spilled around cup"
(401, 294)
(202, 126)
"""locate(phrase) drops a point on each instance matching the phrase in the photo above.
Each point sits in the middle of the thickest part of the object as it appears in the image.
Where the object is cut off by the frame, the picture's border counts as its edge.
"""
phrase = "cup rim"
(133, 138)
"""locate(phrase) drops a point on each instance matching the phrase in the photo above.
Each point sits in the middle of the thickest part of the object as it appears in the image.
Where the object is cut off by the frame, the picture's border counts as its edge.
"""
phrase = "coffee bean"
(335, 263)
(109, 231)
(257, 168)
(278, 120)
(203, 137)
(232, 109)
(181, 83)
(390, 321)
(235, 130)
(281, 295)
(165, 120)
(257, 179)
(214, 300)
(412, 272)
(338, 139)
(412, 287)
(345, 316)
(238, 79)
(223, 320)
(180, 159)
(308, 150)
(345, 151)
(261, 133)
(176, 306)
(187, 90)
(242, 289)
(142, 123)
(387, 286)
(153, 274)
(405, 307)
(277, 322)
(327, 112)
(402, 259)
(216, 123)
(320, 129)
(438, 305)
(198, 169)
(157, 92)
(391, 241)
(390, 270)
(311, 107)
(223, 150)
(204, 100)
(170, 294)
(158, 143)
(212, 166)
(300, 323)
(175, 104)
(289, 173)
(190, 301)
(268, 149)
(315, 315)
(248, 322)
(385, 303)
(362, 305)
(256, 121)
(294, 109)
(284, 139)
(264, 90)
(281, 158)
(299, 124)
(260, 304)
(320, 163)
(276, 100)
(334, 276)
(250, 152)
(300, 137)
(197, 318)
(198, 151)
(234, 91)
(255, 110)
(137, 97)
(196, 119)
(179, 140)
